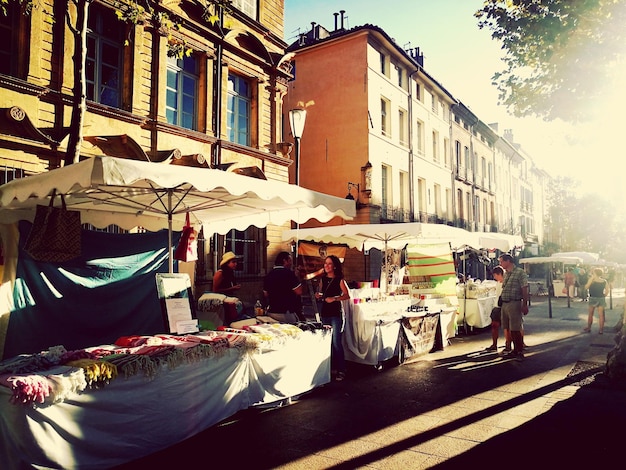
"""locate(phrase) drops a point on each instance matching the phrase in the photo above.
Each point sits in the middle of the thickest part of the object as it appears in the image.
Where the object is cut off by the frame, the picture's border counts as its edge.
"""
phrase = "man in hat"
(224, 281)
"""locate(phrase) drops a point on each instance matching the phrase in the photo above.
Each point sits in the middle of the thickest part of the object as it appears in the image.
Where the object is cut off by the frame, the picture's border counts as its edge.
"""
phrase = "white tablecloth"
(133, 417)
(372, 329)
(476, 312)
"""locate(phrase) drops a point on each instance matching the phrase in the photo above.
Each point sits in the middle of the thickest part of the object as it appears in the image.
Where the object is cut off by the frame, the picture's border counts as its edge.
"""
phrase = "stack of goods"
(51, 376)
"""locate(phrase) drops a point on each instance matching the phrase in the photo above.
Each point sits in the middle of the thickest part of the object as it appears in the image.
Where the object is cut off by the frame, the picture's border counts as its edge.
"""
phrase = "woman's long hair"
(337, 266)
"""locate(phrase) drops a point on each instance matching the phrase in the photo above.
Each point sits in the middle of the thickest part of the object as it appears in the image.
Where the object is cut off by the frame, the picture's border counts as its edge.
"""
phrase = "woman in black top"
(597, 287)
(333, 289)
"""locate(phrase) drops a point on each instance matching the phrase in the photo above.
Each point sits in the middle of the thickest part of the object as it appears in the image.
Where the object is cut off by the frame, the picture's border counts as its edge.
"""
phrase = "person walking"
(282, 289)
(597, 287)
(333, 289)
(514, 303)
(496, 313)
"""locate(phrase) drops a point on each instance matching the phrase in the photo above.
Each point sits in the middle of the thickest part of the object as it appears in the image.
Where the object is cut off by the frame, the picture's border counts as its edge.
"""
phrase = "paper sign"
(178, 310)
(186, 326)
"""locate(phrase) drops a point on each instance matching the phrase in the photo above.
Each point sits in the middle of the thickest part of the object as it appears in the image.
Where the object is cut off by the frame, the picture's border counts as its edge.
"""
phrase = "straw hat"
(229, 255)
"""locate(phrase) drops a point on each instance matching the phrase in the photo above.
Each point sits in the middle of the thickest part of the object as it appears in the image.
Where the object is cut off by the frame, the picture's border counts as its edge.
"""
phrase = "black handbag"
(55, 236)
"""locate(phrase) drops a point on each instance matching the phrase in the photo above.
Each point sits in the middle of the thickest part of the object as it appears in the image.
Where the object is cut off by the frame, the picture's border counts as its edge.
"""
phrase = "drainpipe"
(411, 155)
(216, 151)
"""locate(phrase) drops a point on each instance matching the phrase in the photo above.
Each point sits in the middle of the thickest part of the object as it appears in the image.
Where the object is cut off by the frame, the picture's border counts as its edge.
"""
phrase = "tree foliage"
(583, 222)
(559, 54)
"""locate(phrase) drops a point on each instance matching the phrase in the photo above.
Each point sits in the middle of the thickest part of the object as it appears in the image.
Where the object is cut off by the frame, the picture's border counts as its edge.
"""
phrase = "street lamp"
(296, 120)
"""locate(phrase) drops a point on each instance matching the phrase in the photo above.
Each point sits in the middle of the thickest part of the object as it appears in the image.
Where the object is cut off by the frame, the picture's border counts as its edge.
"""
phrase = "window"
(247, 244)
(385, 186)
(182, 92)
(419, 144)
(239, 108)
(435, 146)
(468, 163)
(404, 191)
(402, 126)
(384, 64)
(400, 71)
(385, 125)
(8, 46)
(457, 152)
(104, 57)
(437, 192)
(446, 145)
(434, 103)
(418, 92)
(10, 173)
(247, 7)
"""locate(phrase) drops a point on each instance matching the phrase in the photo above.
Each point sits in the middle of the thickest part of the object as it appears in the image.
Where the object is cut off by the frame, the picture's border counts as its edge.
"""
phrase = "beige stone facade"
(221, 106)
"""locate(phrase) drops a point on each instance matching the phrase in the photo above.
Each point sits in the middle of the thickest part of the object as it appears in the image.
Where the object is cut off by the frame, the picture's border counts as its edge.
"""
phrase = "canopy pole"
(170, 257)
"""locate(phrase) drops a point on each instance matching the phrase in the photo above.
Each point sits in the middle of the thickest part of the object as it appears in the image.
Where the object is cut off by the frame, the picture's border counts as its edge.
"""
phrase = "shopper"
(283, 290)
(597, 287)
(514, 303)
(496, 313)
(333, 289)
(224, 281)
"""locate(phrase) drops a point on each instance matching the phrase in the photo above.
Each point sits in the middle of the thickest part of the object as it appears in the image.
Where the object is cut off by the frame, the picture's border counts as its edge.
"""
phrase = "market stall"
(164, 391)
(127, 193)
(372, 329)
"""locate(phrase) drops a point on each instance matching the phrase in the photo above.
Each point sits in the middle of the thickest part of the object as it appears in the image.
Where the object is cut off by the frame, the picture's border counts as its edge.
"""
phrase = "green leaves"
(557, 53)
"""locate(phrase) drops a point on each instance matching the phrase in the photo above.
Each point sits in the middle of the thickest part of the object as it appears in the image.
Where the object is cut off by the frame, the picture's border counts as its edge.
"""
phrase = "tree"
(559, 54)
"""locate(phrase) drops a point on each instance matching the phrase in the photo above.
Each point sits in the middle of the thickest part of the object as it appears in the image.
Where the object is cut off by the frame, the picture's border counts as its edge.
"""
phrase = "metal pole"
(170, 258)
(550, 290)
(297, 143)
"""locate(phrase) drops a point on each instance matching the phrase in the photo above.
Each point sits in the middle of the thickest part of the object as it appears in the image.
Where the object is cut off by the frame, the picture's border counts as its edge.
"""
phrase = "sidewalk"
(449, 409)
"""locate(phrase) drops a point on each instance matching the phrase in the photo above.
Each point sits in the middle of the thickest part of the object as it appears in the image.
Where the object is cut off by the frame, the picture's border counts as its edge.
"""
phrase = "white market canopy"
(155, 196)
(496, 240)
(586, 257)
(129, 193)
(382, 236)
(551, 259)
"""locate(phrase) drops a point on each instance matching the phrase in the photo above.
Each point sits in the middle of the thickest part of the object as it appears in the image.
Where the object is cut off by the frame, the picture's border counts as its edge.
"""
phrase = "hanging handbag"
(187, 248)
(55, 236)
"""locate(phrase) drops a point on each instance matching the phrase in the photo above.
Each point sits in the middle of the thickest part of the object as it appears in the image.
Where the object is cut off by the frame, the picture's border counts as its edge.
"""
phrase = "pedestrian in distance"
(514, 303)
(333, 289)
(282, 290)
(598, 288)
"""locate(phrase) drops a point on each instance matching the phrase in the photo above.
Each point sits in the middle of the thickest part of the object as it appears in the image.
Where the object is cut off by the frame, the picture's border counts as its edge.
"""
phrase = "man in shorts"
(514, 303)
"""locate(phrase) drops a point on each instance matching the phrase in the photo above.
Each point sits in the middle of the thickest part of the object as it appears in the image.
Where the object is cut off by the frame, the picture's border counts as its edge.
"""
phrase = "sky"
(463, 58)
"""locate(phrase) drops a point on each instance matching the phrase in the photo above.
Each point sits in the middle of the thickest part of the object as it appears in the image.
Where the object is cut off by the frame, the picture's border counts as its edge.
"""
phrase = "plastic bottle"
(258, 308)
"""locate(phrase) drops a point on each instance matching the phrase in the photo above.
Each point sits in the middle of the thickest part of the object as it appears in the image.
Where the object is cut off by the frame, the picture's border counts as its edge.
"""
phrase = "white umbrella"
(129, 193)
(382, 236)
(551, 259)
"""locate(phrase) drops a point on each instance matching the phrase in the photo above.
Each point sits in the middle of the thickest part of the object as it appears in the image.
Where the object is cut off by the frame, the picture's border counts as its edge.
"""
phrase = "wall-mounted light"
(358, 189)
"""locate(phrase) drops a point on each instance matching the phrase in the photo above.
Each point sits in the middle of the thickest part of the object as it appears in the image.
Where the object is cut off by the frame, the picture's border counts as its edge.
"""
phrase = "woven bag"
(55, 236)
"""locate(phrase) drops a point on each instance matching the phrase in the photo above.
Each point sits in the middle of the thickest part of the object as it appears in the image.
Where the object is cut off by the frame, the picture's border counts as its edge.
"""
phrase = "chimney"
(508, 135)
(342, 13)
(313, 30)
(335, 15)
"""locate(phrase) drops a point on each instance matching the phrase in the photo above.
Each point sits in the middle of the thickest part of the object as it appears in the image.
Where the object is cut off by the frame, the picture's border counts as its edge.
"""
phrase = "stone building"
(197, 83)
(383, 130)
